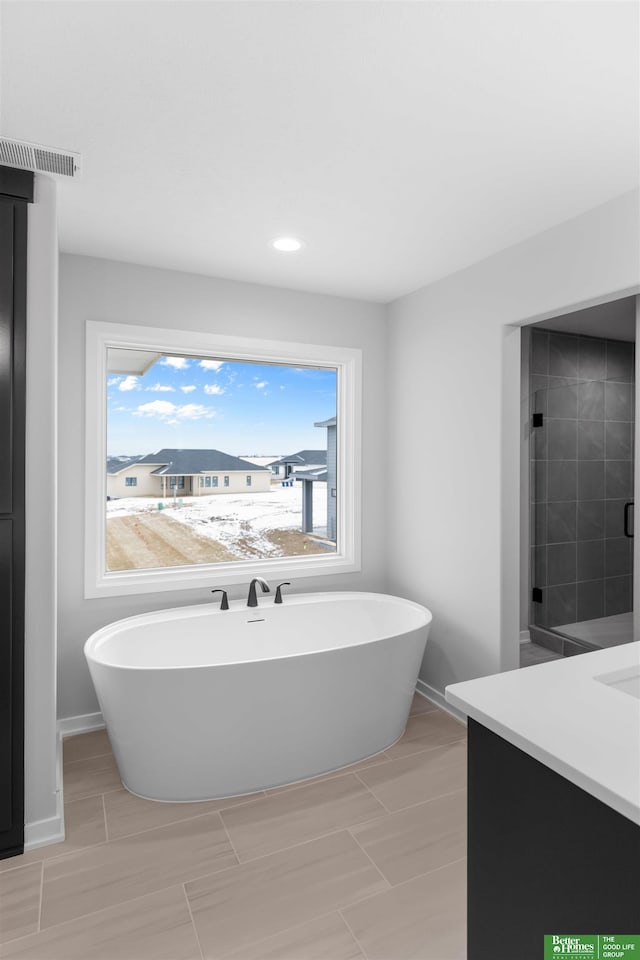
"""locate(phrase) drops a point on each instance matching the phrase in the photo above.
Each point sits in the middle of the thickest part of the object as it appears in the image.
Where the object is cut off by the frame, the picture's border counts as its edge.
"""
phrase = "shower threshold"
(602, 632)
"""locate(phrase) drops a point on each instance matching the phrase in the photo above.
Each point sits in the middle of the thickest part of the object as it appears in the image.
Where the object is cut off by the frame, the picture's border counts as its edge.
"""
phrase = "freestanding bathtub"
(202, 703)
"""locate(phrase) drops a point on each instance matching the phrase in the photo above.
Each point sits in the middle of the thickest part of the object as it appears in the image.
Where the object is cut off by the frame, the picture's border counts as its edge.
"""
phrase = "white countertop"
(561, 714)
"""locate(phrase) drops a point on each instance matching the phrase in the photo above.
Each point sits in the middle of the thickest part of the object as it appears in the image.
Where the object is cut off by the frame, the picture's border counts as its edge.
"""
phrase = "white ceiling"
(401, 140)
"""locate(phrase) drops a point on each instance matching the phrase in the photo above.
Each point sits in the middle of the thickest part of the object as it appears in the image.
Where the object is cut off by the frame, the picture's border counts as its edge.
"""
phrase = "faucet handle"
(278, 598)
(224, 605)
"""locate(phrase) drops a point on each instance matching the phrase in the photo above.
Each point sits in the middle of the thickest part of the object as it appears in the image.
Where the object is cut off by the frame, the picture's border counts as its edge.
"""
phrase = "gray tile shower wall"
(581, 476)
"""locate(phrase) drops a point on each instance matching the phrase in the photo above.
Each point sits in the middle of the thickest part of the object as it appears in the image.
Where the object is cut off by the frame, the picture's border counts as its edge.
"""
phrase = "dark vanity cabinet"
(545, 857)
(16, 191)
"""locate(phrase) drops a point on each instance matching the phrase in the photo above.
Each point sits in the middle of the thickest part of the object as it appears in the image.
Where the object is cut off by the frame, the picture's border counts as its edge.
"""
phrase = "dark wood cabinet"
(545, 857)
(16, 191)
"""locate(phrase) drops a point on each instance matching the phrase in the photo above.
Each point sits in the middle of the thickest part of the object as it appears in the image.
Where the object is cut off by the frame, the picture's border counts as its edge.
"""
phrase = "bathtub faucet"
(253, 600)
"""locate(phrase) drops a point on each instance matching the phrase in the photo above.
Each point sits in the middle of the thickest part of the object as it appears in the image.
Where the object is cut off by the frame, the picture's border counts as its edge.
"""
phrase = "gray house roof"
(331, 422)
(311, 473)
(179, 463)
(116, 464)
(302, 458)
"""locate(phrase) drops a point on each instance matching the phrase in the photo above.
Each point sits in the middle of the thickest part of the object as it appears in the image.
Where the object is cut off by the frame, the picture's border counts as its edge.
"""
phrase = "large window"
(278, 422)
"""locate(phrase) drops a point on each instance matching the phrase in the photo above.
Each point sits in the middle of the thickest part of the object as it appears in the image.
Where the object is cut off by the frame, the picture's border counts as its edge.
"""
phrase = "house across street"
(189, 473)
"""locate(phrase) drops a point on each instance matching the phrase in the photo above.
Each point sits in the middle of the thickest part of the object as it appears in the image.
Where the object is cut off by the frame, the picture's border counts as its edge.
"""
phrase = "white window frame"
(101, 336)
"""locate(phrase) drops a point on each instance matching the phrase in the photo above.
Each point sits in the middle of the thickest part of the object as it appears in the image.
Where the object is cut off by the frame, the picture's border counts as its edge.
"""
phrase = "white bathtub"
(202, 703)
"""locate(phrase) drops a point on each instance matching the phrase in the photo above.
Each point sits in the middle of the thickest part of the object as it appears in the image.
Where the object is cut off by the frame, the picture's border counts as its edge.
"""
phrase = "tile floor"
(368, 862)
(531, 653)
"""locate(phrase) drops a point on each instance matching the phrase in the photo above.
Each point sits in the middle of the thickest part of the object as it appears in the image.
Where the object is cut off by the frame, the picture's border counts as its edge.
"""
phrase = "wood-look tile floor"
(368, 862)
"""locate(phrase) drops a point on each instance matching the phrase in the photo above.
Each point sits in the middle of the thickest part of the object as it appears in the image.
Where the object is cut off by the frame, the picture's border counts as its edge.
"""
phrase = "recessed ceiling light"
(287, 244)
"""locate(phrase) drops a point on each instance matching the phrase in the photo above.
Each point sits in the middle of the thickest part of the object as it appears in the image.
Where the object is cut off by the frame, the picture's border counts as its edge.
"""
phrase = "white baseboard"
(40, 833)
(43, 832)
(525, 636)
(430, 693)
(84, 723)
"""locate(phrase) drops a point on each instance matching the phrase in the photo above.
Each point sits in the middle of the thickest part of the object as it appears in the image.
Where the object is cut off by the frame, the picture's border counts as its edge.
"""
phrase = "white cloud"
(173, 412)
(113, 380)
(211, 364)
(156, 408)
(261, 385)
(195, 411)
(161, 388)
(189, 389)
(129, 383)
(213, 389)
(178, 363)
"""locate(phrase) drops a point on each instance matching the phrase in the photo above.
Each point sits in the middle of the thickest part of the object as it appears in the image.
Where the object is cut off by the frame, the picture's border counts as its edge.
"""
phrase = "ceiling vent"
(40, 159)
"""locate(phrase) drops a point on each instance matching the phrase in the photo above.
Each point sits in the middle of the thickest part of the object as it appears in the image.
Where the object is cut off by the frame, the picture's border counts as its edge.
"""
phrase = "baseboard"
(41, 833)
(84, 723)
(430, 693)
(525, 636)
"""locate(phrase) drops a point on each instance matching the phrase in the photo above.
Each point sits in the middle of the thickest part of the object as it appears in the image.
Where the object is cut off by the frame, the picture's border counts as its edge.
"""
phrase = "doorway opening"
(581, 426)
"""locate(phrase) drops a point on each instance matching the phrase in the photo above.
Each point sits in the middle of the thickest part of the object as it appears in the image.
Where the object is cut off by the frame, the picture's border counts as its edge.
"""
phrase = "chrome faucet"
(253, 600)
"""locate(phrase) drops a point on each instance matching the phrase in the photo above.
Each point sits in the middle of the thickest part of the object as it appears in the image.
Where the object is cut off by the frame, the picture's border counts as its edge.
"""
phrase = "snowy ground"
(230, 518)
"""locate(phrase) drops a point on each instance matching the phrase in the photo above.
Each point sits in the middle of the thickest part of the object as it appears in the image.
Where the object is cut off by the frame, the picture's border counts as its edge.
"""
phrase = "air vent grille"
(39, 159)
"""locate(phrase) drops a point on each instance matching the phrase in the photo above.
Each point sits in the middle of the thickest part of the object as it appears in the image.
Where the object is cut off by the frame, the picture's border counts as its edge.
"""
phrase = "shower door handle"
(628, 528)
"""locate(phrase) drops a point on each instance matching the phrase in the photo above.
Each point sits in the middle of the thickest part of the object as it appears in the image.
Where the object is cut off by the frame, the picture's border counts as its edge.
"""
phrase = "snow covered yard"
(244, 525)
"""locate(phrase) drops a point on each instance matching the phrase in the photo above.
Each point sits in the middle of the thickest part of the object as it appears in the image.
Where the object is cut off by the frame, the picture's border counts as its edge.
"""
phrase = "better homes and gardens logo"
(596, 947)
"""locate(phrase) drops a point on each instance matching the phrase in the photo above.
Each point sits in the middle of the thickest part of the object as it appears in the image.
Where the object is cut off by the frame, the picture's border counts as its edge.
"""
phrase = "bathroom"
(441, 424)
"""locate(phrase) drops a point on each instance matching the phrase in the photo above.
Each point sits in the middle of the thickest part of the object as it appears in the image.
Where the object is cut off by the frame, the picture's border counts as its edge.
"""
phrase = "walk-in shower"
(581, 417)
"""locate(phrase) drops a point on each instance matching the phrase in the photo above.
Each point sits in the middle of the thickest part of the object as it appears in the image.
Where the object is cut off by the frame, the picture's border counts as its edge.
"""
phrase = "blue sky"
(237, 407)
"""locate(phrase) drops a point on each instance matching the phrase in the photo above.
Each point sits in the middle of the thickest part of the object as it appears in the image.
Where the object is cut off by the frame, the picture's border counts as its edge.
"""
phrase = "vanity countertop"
(580, 716)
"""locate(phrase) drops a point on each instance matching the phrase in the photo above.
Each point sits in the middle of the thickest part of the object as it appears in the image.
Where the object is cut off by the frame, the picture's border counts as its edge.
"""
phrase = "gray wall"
(454, 419)
(118, 292)
(581, 476)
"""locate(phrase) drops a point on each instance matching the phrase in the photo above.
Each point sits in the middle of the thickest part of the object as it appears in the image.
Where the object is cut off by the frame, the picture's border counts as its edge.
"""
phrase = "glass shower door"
(582, 474)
